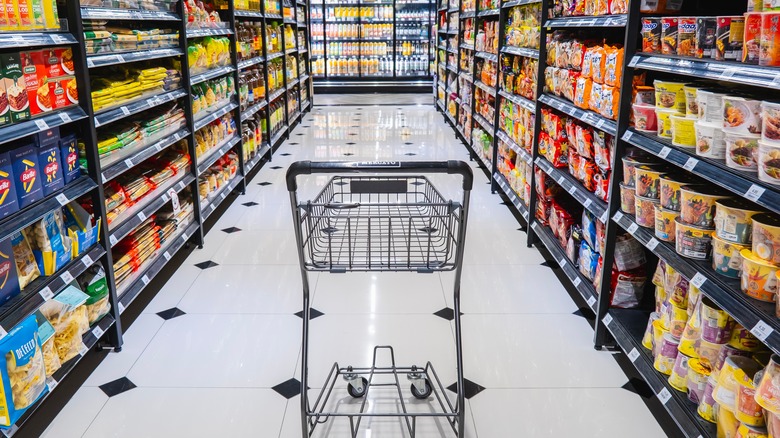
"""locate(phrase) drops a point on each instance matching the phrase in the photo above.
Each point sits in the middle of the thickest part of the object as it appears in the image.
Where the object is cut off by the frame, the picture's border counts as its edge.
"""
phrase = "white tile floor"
(210, 372)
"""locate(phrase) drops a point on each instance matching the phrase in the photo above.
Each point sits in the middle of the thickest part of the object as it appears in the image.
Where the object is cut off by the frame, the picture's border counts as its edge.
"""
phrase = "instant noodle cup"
(644, 210)
(683, 132)
(664, 121)
(716, 324)
(772, 420)
(746, 409)
(742, 151)
(645, 95)
(664, 312)
(768, 388)
(691, 337)
(627, 198)
(707, 405)
(710, 141)
(670, 95)
(691, 102)
(647, 181)
(758, 279)
(647, 339)
(710, 106)
(726, 258)
(708, 351)
(727, 351)
(697, 205)
(664, 223)
(691, 241)
(679, 377)
(659, 331)
(766, 237)
(743, 340)
(769, 55)
(679, 291)
(726, 421)
(725, 393)
(694, 297)
(748, 431)
(769, 162)
(644, 117)
(698, 373)
(630, 163)
(660, 297)
(741, 115)
(669, 188)
(667, 354)
(733, 220)
(677, 319)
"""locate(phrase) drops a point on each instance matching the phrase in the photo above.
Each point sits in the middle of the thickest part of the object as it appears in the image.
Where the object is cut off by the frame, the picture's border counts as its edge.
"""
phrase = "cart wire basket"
(381, 216)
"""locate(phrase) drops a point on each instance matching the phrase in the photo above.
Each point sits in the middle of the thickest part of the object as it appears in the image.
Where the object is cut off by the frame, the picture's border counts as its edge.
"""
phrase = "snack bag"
(582, 92)
(26, 267)
(613, 66)
(68, 315)
(595, 97)
(598, 63)
(93, 282)
(24, 375)
(610, 102)
(584, 141)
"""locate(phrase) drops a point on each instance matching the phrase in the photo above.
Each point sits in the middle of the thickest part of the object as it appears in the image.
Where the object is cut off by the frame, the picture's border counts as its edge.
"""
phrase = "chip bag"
(24, 375)
(68, 315)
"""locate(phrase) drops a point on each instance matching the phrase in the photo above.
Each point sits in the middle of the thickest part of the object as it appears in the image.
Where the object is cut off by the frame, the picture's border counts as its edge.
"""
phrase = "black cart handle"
(451, 167)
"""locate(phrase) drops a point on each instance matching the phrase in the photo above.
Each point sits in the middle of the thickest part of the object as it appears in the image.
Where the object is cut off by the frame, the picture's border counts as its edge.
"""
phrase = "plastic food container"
(667, 355)
(759, 279)
(708, 351)
(683, 133)
(644, 211)
(629, 168)
(742, 151)
(741, 115)
(677, 319)
(644, 117)
(664, 223)
(769, 55)
(769, 162)
(746, 409)
(670, 95)
(772, 422)
(770, 122)
(647, 180)
(768, 389)
(766, 237)
(706, 409)
(692, 241)
(698, 373)
(679, 377)
(733, 220)
(716, 324)
(691, 101)
(726, 258)
(748, 431)
(645, 95)
(743, 340)
(659, 331)
(697, 205)
(627, 199)
(710, 106)
(647, 339)
(669, 187)
(664, 121)
(725, 392)
(709, 140)
(727, 423)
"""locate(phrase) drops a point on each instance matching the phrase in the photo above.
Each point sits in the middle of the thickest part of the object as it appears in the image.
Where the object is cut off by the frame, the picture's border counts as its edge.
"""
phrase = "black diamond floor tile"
(549, 264)
(446, 313)
(250, 204)
(638, 386)
(408, 143)
(286, 154)
(289, 388)
(276, 167)
(348, 154)
(350, 143)
(409, 154)
(313, 313)
(264, 183)
(207, 264)
(300, 133)
(117, 386)
(352, 133)
(585, 313)
(470, 388)
(171, 313)
(292, 144)
(231, 230)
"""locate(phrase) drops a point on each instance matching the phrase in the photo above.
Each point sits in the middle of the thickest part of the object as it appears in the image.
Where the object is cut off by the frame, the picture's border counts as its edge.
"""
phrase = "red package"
(571, 128)
(542, 210)
(601, 232)
(545, 187)
(603, 145)
(590, 170)
(557, 153)
(584, 143)
(545, 143)
(554, 216)
(565, 222)
(602, 185)
(575, 162)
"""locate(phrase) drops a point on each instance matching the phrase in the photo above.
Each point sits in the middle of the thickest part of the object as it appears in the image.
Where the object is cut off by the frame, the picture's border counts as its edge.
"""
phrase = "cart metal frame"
(385, 218)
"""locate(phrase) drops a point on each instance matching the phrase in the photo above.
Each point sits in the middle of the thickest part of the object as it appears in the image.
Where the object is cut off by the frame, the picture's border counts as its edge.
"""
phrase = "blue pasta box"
(47, 137)
(69, 154)
(9, 282)
(24, 162)
(8, 201)
(24, 361)
(51, 169)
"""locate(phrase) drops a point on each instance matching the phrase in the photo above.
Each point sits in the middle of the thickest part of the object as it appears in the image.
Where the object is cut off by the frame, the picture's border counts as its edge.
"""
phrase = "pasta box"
(21, 390)
(15, 87)
(69, 154)
(50, 161)
(8, 199)
(9, 283)
(24, 162)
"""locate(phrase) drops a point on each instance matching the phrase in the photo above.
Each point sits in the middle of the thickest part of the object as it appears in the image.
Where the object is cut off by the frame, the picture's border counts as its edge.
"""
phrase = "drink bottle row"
(352, 66)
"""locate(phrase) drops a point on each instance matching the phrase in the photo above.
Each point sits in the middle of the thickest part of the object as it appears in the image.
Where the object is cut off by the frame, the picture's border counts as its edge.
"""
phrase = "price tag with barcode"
(97, 332)
(41, 124)
(129, 162)
(174, 200)
(572, 189)
(562, 263)
(698, 280)
(65, 117)
(761, 330)
(121, 307)
(576, 281)
(604, 217)
(46, 293)
(167, 256)
(141, 216)
(664, 396)
(591, 301)
(184, 237)
(165, 197)
(664, 152)
(112, 239)
(145, 280)
(632, 228)
(652, 244)
(690, 164)
(600, 123)
(62, 199)
(728, 73)
(52, 383)
(66, 277)
(633, 355)
(627, 136)
(87, 260)
(607, 319)
(754, 192)
(176, 136)
(83, 350)
(124, 110)
(618, 216)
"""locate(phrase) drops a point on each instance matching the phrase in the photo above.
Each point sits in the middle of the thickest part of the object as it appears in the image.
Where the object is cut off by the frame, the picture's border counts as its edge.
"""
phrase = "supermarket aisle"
(216, 352)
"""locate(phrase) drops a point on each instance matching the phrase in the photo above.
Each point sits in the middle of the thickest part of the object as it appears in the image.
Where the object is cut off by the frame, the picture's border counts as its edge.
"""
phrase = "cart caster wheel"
(425, 394)
(358, 393)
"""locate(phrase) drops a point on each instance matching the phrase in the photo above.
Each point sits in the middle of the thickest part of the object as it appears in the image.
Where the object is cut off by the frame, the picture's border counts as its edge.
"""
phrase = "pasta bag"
(93, 282)
(23, 376)
(51, 360)
(68, 315)
(26, 267)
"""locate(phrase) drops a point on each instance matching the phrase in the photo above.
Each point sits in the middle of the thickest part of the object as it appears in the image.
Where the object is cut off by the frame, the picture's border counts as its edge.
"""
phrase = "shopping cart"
(377, 222)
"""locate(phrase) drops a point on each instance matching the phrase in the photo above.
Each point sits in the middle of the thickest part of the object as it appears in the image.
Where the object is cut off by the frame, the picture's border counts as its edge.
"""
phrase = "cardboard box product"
(48, 137)
(13, 78)
(9, 284)
(69, 154)
(24, 161)
(36, 80)
(5, 115)
(8, 200)
(51, 58)
(12, 16)
(64, 91)
(51, 169)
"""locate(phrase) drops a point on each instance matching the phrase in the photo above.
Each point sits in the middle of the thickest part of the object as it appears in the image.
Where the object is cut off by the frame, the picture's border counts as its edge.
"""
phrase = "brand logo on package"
(5, 268)
(71, 160)
(379, 164)
(50, 170)
(647, 26)
(688, 27)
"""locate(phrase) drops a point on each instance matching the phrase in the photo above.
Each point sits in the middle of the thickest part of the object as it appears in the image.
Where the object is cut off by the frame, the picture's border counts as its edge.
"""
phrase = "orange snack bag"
(582, 92)
(598, 61)
(610, 101)
(587, 65)
(594, 103)
(613, 66)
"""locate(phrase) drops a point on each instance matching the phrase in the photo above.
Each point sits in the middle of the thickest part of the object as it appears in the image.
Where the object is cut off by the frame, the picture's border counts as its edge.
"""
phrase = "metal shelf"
(292, 83)
(276, 138)
(589, 200)
(520, 100)
(466, 76)
(39, 124)
(734, 72)
(103, 60)
(216, 200)
(202, 121)
(467, 46)
(127, 14)
(291, 50)
(519, 3)
(110, 115)
(588, 21)
(273, 16)
(489, 13)
(271, 56)
(250, 62)
(248, 14)
(513, 197)
(487, 126)
(211, 74)
(467, 14)
(589, 117)
(486, 55)
(521, 51)
(485, 87)
(20, 40)
(514, 146)
(250, 165)
(741, 183)
(276, 94)
(252, 110)
(112, 171)
(215, 153)
(200, 33)
(305, 104)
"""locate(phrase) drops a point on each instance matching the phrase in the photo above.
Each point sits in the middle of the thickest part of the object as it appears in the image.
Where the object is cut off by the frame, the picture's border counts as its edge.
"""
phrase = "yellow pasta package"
(68, 315)
(26, 267)
(24, 375)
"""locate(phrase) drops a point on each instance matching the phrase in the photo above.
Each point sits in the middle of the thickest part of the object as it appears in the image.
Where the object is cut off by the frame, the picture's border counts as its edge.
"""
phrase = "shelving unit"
(295, 96)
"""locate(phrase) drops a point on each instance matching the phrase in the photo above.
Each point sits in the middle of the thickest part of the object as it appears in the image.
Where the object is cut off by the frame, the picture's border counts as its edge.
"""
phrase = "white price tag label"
(562, 263)
(120, 58)
(90, 63)
(129, 162)
(690, 164)
(591, 301)
(184, 237)
(633, 62)
(141, 216)
(664, 152)
(633, 355)
(604, 217)
(87, 260)
(65, 118)
(698, 280)
(121, 308)
(62, 199)
(560, 179)
(652, 244)
(176, 136)
(46, 293)
(761, 330)
(572, 190)
(618, 216)
(51, 383)
(222, 195)
(728, 73)
(167, 256)
(587, 203)
(776, 80)
(124, 110)
(97, 123)
(576, 281)
(165, 197)
(632, 228)
(664, 396)
(754, 192)
(66, 277)
(174, 200)
(535, 226)
(112, 239)
(600, 123)
(157, 147)
(607, 319)
(41, 124)
(58, 39)
(145, 280)
(83, 350)
(103, 177)
(97, 332)
(3, 333)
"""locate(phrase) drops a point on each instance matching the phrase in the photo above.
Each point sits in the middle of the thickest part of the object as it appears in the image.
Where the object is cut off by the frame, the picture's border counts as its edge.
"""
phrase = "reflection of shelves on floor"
(208, 208)
(513, 197)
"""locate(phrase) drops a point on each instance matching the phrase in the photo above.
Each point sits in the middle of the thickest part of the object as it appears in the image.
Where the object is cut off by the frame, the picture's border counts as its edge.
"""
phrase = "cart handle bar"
(450, 167)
